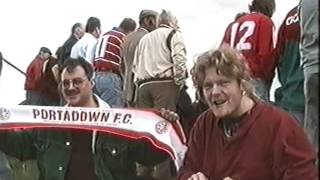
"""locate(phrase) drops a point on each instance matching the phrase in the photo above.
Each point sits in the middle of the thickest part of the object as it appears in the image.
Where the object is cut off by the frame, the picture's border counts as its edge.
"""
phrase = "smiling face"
(222, 94)
(76, 87)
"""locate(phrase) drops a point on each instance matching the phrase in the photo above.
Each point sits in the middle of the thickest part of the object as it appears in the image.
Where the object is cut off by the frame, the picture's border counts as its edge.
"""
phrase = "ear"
(241, 83)
(92, 83)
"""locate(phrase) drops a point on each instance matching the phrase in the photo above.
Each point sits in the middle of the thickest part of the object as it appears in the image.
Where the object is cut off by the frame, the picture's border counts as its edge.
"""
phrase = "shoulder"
(275, 118)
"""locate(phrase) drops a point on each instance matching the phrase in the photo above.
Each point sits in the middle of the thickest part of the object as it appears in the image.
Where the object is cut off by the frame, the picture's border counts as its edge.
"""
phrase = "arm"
(226, 38)
(266, 48)
(135, 62)
(294, 157)
(179, 59)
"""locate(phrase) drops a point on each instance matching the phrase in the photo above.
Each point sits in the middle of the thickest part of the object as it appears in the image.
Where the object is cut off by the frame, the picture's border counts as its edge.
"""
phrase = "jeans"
(109, 88)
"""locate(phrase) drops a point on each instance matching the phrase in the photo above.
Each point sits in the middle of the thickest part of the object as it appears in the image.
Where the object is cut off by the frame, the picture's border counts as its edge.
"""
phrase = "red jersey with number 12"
(253, 35)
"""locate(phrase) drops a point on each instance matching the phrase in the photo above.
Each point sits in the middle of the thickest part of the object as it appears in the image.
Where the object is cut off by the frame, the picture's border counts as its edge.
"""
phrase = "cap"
(45, 50)
(146, 12)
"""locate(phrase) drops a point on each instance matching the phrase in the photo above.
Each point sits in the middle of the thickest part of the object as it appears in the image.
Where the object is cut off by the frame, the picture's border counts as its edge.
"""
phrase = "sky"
(28, 25)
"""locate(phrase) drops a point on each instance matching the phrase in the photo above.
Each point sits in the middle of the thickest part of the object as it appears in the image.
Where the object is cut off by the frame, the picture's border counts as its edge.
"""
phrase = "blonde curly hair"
(228, 62)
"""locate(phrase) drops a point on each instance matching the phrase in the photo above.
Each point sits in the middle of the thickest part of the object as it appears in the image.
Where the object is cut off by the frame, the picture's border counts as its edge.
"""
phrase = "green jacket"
(114, 156)
(290, 94)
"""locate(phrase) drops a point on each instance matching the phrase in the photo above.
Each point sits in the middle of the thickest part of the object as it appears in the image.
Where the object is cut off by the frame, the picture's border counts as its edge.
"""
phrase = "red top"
(269, 145)
(253, 34)
(108, 53)
(34, 75)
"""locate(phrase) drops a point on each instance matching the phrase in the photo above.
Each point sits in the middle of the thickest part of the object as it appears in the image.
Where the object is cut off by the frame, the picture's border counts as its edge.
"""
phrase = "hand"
(198, 176)
(169, 115)
(227, 178)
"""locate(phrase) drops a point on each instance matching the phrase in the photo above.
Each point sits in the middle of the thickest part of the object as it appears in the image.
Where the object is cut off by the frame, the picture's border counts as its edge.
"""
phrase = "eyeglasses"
(76, 82)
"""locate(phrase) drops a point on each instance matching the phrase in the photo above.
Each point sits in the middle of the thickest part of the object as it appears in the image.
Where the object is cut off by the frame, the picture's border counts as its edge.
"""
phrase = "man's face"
(223, 94)
(76, 87)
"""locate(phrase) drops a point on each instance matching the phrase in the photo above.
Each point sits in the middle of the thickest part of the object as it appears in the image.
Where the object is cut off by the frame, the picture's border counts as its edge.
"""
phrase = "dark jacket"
(114, 156)
(64, 51)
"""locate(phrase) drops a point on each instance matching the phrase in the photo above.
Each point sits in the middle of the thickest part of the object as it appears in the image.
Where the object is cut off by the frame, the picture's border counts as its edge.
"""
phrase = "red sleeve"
(294, 156)
(266, 48)
(226, 37)
(193, 159)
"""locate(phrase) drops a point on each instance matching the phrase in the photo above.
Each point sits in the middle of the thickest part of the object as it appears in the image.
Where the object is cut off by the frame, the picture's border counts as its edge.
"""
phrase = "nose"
(215, 90)
(71, 86)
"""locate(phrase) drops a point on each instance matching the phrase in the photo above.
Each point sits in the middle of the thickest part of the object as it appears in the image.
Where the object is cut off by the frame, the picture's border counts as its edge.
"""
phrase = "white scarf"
(130, 123)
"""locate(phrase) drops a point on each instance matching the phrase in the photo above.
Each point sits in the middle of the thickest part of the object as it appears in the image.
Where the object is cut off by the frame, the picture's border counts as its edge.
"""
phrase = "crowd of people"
(234, 131)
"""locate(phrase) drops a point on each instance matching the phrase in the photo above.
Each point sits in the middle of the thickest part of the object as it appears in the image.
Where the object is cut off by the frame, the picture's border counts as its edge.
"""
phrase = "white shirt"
(85, 48)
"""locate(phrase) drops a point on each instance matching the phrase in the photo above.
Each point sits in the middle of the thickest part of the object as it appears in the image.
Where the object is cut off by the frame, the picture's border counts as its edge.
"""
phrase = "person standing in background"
(253, 35)
(107, 63)
(86, 46)
(64, 51)
(309, 44)
(34, 79)
(147, 23)
(290, 75)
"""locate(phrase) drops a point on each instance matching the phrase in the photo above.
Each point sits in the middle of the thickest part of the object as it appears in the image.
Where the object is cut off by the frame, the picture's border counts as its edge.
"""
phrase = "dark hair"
(128, 25)
(145, 14)
(45, 50)
(92, 24)
(71, 63)
(75, 26)
(266, 7)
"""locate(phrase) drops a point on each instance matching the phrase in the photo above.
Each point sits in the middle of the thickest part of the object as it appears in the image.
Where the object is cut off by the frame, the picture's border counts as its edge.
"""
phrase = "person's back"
(107, 63)
(290, 73)
(147, 23)
(49, 83)
(34, 78)
(64, 51)
(108, 50)
(252, 34)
